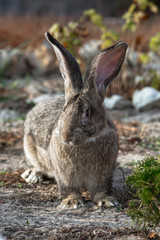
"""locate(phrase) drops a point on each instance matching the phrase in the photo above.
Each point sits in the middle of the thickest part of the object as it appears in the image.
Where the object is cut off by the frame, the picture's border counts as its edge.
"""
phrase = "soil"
(29, 211)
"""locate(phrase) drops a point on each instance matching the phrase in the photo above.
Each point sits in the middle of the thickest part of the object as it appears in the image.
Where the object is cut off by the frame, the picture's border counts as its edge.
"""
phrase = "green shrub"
(71, 33)
(145, 208)
(136, 13)
(154, 43)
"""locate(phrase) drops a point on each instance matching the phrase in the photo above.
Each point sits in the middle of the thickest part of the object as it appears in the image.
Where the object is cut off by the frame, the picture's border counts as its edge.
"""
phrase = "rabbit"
(70, 137)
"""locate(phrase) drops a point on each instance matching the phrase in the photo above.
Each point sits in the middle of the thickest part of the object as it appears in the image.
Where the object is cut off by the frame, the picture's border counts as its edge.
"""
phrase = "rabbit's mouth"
(73, 144)
(77, 138)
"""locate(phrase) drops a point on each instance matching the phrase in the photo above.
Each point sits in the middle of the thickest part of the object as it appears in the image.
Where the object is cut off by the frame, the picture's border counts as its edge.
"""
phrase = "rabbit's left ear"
(69, 68)
(105, 67)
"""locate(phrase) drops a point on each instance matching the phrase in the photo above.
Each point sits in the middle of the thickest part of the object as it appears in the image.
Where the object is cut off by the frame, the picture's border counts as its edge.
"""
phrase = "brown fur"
(72, 138)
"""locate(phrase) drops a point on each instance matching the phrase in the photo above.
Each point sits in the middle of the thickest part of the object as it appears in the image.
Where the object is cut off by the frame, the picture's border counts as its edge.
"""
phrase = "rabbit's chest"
(96, 156)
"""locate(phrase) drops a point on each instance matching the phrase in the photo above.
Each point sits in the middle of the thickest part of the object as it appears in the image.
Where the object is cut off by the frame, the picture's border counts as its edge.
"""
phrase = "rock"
(148, 116)
(133, 57)
(38, 99)
(90, 49)
(146, 98)
(117, 102)
(139, 79)
(7, 114)
(154, 63)
(41, 98)
(37, 61)
(2, 237)
(43, 85)
(13, 63)
(41, 60)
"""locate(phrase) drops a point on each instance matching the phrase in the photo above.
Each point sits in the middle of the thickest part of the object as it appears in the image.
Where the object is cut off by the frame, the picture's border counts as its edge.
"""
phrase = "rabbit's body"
(80, 168)
(71, 138)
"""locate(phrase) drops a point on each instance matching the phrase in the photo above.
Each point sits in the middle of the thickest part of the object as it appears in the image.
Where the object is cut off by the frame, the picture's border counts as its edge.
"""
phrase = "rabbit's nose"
(78, 132)
(92, 129)
(77, 137)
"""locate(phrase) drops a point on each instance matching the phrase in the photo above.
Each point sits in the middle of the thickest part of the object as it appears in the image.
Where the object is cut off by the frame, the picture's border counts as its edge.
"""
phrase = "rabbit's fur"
(71, 138)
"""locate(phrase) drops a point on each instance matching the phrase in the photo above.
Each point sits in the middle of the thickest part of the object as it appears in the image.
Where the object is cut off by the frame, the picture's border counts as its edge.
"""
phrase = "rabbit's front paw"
(32, 176)
(72, 201)
(102, 199)
(107, 201)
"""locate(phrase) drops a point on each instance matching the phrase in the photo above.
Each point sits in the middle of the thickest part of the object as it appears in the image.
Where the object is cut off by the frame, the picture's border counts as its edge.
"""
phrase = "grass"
(2, 183)
(151, 143)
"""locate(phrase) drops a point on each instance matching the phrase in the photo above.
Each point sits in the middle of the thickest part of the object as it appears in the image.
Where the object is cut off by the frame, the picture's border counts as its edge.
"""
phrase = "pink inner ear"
(108, 64)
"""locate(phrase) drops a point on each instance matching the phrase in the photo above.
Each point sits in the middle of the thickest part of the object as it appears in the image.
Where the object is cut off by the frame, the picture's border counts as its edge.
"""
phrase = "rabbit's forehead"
(83, 105)
(79, 104)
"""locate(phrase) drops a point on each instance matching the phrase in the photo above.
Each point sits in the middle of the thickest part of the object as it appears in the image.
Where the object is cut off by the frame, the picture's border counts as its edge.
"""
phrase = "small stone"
(90, 49)
(133, 57)
(117, 102)
(147, 98)
(41, 98)
(6, 114)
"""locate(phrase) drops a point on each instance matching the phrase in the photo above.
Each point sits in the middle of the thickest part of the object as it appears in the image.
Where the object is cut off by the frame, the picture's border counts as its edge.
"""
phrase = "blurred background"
(29, 73)
(29, 67)
(62, 7)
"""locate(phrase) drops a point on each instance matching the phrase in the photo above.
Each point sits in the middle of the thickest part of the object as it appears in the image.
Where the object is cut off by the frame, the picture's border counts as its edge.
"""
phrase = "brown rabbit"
(71, 138)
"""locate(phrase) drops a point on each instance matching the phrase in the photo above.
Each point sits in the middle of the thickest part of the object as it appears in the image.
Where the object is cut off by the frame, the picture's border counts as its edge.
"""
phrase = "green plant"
(108, 37)
(154, 43)
(155, 82)
(151, 143)
(67, 35)
(19, 185)
(145, 208)
(28, 223)
(71, 34)
(136, 13)
(2, 183)
(144, 58)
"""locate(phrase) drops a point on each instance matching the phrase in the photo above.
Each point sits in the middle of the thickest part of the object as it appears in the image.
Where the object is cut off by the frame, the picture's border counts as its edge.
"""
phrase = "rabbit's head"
(83, 116)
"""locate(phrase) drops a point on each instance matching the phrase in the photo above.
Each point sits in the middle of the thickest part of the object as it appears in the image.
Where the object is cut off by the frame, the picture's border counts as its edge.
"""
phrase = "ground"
(30, 211)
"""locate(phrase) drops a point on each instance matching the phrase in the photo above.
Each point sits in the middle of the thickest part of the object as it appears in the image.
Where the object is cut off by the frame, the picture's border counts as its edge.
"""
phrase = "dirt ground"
(30, 211)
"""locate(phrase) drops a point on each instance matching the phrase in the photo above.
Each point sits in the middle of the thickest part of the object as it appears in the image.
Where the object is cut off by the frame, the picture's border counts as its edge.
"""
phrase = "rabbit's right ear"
(69, 68)
(105, 67)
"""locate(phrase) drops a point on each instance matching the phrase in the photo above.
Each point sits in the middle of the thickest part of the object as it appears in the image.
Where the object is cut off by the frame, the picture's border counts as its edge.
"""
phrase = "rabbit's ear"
(69, 67)
(105, 67)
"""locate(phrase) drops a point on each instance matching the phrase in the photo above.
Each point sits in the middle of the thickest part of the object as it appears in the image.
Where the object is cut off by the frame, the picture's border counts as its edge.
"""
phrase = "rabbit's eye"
(86, 117)
(88, 112)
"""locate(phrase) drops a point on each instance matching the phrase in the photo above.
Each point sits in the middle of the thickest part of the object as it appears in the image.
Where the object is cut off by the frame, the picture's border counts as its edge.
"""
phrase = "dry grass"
(14, 31)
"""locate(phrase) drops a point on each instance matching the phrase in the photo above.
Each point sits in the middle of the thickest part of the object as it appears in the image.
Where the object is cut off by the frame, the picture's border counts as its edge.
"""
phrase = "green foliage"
(71, 34)
(155, 79)
(94, 17)
(136, 13)
(108, 37)
(145, 210)
(2, 183)
(154, 43)
(19, 185)
(28, 223)
(67, 35)
(144, 58)
(151, 143)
